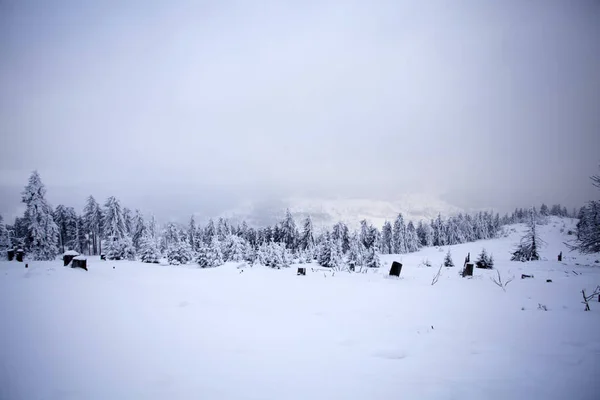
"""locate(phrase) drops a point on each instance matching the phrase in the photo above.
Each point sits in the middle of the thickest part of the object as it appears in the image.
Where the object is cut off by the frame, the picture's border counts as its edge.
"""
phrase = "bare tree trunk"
(585, 301)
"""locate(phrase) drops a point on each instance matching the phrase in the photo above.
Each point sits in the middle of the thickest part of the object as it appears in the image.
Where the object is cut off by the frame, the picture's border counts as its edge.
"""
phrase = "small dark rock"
(113, 267)
(26, 265)
(549, 280)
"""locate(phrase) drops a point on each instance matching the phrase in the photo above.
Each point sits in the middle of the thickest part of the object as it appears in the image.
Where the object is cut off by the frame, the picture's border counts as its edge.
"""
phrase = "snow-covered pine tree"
(544, 211)
(149, 252)
(209, 255)
(340, 232)
(399, 236)
(92, 216)
(307, 240)
(527, 249)
(386, 244)
(412, 239)
(448, 260)
(66, 220)
(42, 232)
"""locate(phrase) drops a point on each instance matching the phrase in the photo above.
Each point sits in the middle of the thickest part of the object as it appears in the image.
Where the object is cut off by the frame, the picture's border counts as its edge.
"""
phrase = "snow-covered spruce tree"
(118, 245)
(340, 232)
(223, 229)
(386, 244)
(149, 252)
(92, 216)
(527, 249)
(66, 220)
(42, 232)
(330, 253)
(209, 232)
(354, 257)
(128, 221)
(113, 224)
(588, 227)
(483, 260)
(369, 235)
(289, 232)
(235, 248)
(192, 233)
(139, 230)
(439, 232)
(399, 236)
(4, 238)
(120, 249)
(412, 240)
(209, 255)
(179, 252)
(448, 260)
(371, 258)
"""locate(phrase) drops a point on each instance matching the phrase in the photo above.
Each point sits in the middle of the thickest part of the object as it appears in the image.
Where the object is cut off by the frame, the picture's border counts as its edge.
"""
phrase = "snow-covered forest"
(119, 233)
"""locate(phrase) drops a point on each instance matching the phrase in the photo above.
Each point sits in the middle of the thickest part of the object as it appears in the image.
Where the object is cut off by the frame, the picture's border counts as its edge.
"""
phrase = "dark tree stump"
(67, 258)
(103, 257)
(11, 255)
(468, 270)
(19, 254)
(352, 268)
(548, 280)
(79, 262)
(395, 269)
(301, 271)
(560, 256)
(525, 276)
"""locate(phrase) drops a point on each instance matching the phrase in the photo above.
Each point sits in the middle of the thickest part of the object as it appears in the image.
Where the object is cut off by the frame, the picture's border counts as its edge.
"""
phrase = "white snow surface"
(71, 253)
(148, 331)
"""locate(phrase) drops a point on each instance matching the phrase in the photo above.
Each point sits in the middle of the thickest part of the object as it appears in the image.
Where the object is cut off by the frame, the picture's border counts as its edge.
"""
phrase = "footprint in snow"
(391, 354)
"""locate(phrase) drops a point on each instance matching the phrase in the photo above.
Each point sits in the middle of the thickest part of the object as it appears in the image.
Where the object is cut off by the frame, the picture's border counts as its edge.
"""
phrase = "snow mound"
(71, 253)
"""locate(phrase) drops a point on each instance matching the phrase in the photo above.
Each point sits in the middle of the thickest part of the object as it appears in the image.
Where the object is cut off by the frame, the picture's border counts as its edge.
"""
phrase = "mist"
(193, 107)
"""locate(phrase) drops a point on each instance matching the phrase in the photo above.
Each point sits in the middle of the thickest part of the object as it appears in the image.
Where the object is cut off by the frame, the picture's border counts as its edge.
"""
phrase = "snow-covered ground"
(142, 331)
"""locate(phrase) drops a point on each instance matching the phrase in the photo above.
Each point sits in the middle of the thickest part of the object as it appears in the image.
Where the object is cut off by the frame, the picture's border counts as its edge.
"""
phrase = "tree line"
(123, 234)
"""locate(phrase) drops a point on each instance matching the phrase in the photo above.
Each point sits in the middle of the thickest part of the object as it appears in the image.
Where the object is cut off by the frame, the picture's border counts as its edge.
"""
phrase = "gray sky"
(181, 107)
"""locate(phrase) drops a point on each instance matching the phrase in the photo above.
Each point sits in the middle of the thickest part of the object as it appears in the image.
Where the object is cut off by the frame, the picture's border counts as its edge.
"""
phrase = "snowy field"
(142, 331)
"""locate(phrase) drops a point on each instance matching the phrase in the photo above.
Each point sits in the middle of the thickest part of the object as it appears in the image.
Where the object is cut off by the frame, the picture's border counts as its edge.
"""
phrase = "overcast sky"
(182, 107)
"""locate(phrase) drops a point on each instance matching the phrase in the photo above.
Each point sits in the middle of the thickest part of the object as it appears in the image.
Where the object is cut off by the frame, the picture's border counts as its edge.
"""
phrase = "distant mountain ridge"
(327, 211)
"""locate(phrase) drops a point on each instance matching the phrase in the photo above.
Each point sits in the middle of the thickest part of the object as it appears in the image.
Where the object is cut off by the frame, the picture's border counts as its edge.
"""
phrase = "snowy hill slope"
(327, 211)
(155, 332)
